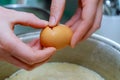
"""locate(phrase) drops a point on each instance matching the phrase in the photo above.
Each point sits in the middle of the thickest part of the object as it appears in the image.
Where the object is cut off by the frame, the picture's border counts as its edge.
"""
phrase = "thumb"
(56, 11)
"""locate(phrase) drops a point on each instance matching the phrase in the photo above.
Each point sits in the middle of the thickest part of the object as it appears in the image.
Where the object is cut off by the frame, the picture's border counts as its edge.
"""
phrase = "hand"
(56, 12)
(84, 22)
(12, 49)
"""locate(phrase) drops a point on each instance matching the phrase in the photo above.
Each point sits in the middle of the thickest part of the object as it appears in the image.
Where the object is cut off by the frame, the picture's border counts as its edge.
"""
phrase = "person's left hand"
(12, 49)
(85, 21)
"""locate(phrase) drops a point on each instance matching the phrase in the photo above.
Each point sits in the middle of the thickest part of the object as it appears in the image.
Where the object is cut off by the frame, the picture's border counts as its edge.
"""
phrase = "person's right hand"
(12, 49)
(83, 23)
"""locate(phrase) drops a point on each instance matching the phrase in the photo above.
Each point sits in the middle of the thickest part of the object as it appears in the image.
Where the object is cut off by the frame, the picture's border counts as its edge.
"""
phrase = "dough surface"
(57, 71)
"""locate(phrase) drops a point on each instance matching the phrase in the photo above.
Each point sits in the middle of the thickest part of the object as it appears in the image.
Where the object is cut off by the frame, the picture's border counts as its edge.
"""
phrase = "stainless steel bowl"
(97, 53)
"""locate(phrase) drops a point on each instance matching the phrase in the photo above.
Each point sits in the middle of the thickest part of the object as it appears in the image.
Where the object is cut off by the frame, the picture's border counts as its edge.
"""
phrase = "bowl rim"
(15, 6)
(94, 36)
(106, 40)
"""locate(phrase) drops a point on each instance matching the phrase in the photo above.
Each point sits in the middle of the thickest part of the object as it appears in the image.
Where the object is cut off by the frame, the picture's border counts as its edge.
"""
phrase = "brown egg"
(58, 37)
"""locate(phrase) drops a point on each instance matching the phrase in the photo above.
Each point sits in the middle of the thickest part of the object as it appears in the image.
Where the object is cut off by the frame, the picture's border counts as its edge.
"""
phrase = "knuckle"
(87, 23)
(27, 15)
(32, 60)
(53, 7)
(29, 62)
(31, 15)
(21, 13)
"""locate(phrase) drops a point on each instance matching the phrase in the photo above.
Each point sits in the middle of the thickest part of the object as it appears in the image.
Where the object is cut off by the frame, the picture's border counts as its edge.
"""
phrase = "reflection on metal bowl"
(97, 53)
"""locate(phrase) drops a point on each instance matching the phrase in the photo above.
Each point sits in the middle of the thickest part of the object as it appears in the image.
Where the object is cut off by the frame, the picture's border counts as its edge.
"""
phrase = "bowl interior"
(96, 53)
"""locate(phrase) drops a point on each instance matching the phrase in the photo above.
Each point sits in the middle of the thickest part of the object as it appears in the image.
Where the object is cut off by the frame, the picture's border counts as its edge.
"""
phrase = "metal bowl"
(97, 53)
(39, 12)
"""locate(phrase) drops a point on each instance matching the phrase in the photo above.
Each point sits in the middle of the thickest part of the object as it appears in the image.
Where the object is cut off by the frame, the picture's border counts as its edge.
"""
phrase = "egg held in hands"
(58, 37)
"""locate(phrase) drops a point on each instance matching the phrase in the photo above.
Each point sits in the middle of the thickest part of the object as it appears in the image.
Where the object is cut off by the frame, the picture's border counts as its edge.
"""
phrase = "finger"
(45, 54)
(32, 43)
(36, 45)
(56, 11)
(97, 22)
(22, 51)
(3, 53)
(22, 65)
(75, 18)
(75, 26)
(15, 62)
(23, 18)
(87, 19)
(37, 64)
(29, 19)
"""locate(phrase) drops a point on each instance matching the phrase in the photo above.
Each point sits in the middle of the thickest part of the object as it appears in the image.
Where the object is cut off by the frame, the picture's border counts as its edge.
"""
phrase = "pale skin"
(12, 49)
(84, 22)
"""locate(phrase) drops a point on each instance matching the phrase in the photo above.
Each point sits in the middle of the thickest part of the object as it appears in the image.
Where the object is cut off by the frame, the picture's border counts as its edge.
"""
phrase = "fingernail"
(52, 21)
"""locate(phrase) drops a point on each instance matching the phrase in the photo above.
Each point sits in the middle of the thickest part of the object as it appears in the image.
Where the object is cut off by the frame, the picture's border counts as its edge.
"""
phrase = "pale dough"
(57, 71)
